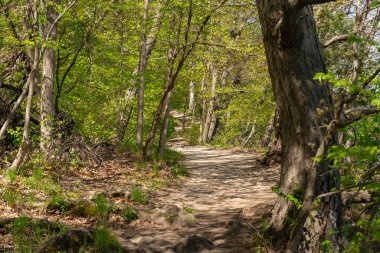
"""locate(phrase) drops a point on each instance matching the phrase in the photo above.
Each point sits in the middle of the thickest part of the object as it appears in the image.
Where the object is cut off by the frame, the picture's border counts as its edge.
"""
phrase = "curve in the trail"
(222, 184)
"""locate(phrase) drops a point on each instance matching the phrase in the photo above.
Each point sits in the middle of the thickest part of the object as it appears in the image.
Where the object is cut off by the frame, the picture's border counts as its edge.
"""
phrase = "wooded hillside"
(91, 87)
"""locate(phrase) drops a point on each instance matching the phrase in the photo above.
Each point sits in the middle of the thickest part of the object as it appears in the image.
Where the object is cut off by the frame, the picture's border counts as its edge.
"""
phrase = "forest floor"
(224, 200)
(228, 193)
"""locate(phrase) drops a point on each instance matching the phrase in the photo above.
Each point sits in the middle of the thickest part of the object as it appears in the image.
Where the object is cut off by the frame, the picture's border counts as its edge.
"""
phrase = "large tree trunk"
(294, 57)
(142, 68)
(47, 88)
(147, 44)
(210, 111)
(215, 119)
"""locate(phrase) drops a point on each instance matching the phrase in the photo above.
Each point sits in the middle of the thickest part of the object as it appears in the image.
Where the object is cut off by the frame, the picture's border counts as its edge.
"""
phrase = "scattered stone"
(169, 215)
(70, 241)
(121, 194)
(83, 208)
(137, 240)
(235, 225)
(171, 210)
(90, 194)
(193, 244)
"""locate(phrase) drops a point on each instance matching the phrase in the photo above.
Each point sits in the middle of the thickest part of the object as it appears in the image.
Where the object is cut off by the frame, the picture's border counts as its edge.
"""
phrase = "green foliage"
(138, 195)
(295, 197)
(16, 135)
(326, 246)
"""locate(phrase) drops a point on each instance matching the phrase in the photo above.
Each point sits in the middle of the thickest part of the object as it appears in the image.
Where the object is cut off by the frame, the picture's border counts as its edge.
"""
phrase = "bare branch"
(335, 39)
(68, 7)
(359, 113)
(302, 3)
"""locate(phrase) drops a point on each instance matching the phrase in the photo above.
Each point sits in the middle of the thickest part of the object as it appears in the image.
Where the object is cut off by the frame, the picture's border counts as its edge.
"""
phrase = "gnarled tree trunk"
(294, 57)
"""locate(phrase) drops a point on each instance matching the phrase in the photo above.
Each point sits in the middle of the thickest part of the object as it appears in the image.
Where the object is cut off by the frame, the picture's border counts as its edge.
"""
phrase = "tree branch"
(359, 113)
(335, 39)
(302, 3)
(68, 7)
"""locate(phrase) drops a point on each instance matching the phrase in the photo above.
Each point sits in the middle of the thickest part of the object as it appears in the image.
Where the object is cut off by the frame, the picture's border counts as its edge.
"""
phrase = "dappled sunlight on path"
(223, 184)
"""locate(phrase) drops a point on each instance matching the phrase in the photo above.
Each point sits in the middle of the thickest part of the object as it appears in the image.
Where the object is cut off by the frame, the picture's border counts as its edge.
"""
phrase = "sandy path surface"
(225, 190)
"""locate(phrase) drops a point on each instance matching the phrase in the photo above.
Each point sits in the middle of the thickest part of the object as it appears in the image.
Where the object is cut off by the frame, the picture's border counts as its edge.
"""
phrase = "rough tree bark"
(204, 104)
(164, 131)
(215, 119)
(268, 133)
(47, 88)
(210, 110)
(147, 44)
(294, 57)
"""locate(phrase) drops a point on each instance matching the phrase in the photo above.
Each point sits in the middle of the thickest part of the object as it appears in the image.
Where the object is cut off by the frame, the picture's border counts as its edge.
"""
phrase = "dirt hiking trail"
(225, 193)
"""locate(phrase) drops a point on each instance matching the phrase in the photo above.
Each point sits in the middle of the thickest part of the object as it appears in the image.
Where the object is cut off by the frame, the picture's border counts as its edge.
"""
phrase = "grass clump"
(105, 241)
(29, 234)
(58, 203)
(179, 170)
(12, 197)
(138, 195)
(129, 214)
(172, 157)
(103, 207)
(188, 210)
